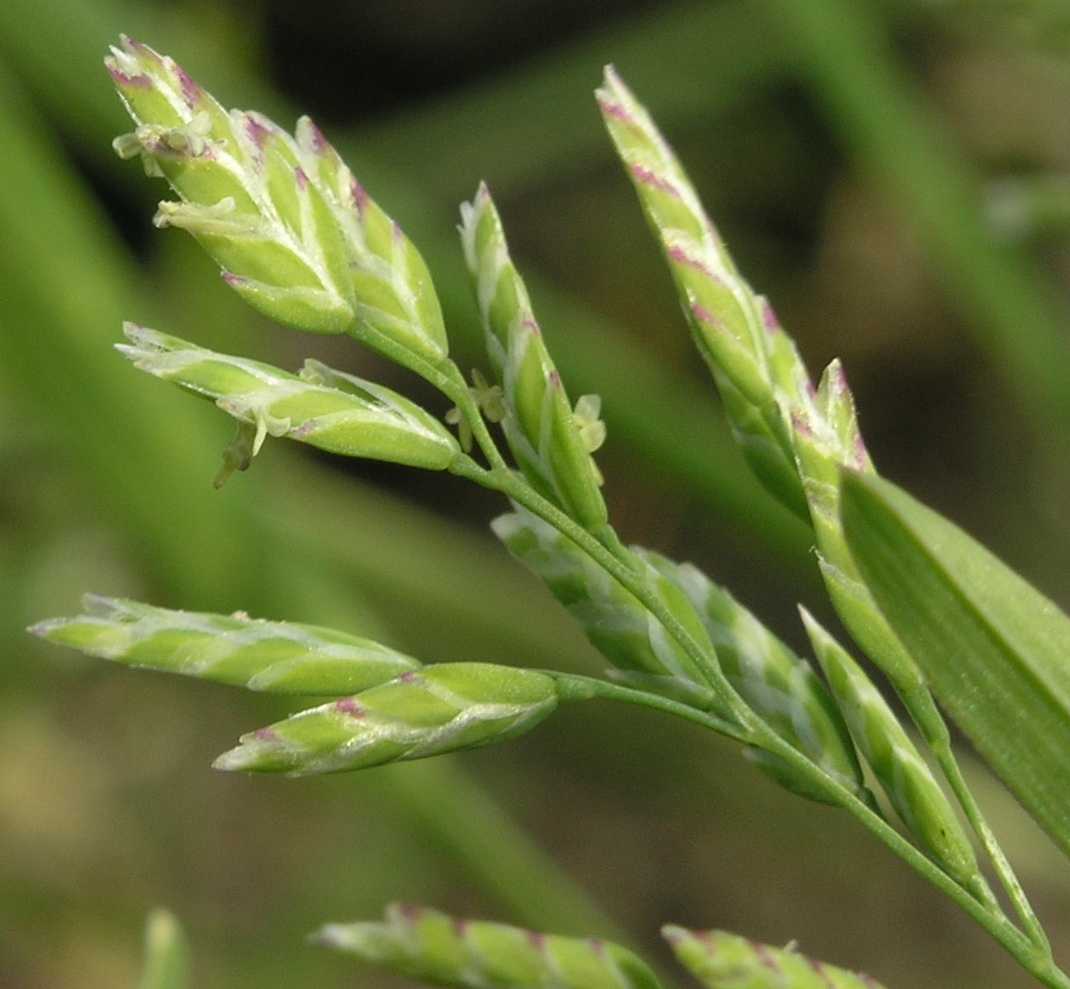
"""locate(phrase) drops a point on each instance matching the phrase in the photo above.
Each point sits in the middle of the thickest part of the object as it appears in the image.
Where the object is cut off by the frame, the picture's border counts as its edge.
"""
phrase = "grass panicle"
(298, 236)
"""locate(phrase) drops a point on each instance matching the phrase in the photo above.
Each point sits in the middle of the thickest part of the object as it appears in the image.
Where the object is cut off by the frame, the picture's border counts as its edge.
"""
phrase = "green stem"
(922, 708)
(1037, 962)
(576, 687)
(1007, 877)
(1032, 958)
(445, 376)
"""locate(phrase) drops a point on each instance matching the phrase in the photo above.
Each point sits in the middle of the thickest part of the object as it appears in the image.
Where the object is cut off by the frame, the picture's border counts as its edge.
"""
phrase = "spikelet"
(336, 412)
(279, 657)
(895, 761)
(552, 444)
(395, 297)
(613, 619)
(243, 192)
(720, 960)
(439, 709)
(733, 328)
(433, 947)
(296, 235)
(777, 684)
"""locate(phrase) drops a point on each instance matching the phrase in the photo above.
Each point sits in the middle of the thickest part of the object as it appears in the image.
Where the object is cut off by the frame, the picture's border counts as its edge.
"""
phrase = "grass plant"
(298, 237)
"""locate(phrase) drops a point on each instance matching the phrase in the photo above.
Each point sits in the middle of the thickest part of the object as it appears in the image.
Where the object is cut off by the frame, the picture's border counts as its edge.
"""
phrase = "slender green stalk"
(1031, 957)
(576, 687)
(1005, 872)
(166, 953)
(1034, 960)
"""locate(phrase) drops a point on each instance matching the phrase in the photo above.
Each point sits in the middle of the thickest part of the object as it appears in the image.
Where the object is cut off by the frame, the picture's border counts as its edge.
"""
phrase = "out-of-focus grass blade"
(166, 954)
(535, 121)
(66, 283)
(556, 133)
(995, 651)
(1013, 312)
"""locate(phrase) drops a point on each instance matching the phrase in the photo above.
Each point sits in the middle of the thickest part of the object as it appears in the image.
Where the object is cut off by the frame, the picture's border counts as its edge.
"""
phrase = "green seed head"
(894, 759)
(720, 960)
(552, 444)
(430, 946)
(439, 709)
(336, 412)
(733, 328)
(295, 233)
(243, 192)
(279, 657)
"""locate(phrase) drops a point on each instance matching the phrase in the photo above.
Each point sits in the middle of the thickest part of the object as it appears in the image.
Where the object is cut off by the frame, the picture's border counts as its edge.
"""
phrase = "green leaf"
(166, 954)
(994, 650)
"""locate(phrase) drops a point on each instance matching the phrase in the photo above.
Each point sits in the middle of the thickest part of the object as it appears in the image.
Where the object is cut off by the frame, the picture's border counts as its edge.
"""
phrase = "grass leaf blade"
(166, 953)
(995, 651)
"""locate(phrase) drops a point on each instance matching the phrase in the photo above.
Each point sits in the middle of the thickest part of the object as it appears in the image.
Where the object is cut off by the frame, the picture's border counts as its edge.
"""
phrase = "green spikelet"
(779, 686)
(433, 947)
(720, 960)
(826, 439)
(327, 409)
(551, 443)
(395, 297)
(894, 759)
(439, 709)
(733, 328)
(243, 192)
(279, 657)
(611, 617)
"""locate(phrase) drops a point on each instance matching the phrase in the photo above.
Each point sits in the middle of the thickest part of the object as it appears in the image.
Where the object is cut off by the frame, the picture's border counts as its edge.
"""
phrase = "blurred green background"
(895, 175)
